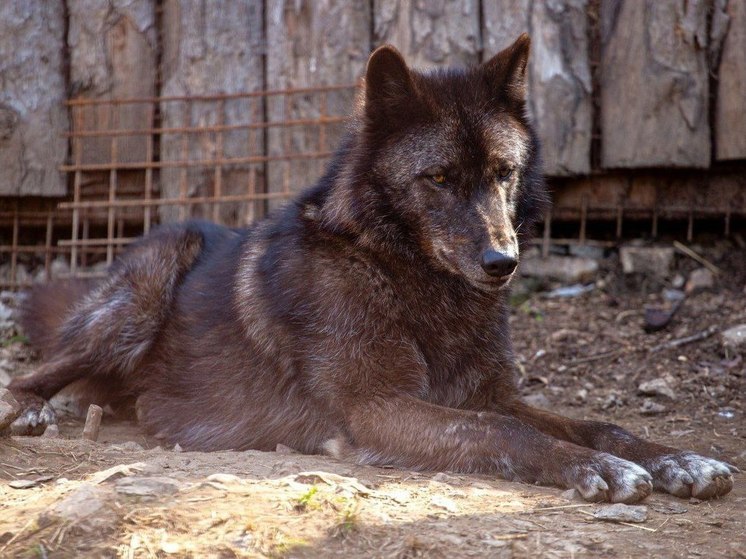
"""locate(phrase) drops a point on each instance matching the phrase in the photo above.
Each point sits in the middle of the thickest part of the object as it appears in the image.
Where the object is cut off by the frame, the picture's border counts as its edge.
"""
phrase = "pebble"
(651, 261)
(734, 339)
(9, 409)
(444, 503)
(28, 483)
(656, 387)
(699, 280)
(649, 407)
(669, 508)
(620, 512)
(538, 400)
(51, 432)
(567, 269)
(147, 486)
(80, 504)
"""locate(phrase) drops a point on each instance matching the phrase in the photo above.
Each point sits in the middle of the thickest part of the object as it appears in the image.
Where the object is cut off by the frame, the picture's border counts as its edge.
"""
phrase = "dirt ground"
(586, 356)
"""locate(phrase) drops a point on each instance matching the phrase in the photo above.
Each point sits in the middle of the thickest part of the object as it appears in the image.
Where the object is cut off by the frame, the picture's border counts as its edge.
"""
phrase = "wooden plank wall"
(614, 84)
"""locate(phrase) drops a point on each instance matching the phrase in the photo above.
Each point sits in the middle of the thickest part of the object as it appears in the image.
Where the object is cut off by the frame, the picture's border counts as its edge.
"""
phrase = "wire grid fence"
(135, 163)
(230, 158)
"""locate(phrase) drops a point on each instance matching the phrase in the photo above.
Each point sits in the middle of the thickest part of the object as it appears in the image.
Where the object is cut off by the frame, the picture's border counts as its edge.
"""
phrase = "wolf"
(368, 319)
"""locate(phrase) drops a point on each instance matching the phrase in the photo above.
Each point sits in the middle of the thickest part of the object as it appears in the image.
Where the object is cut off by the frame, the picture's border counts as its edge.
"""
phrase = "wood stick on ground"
(694, 256)
(687, 340)
(92, 422)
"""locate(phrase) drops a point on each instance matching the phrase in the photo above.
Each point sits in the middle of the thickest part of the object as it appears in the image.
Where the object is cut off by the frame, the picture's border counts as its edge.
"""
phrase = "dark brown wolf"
(368, 319)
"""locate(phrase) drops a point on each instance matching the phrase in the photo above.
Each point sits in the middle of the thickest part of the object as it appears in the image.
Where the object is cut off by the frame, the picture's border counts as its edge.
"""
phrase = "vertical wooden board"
(654, 83)
(559, 98)
(32, 115)
(430, 33)
(212, 51)
(310, 44)
(730, 119)
(113, 54)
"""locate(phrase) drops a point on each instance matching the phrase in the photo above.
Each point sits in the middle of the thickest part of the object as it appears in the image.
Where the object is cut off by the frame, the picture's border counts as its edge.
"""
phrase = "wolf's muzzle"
(497, 264)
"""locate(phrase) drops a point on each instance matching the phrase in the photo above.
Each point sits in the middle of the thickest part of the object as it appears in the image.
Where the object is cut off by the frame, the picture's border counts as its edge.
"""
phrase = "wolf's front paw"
(604, 477)
(36, 416)
(686, 474)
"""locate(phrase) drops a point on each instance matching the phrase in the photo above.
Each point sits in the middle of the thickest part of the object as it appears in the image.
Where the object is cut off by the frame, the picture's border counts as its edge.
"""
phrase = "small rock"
(444, 503)
(652, 261)
(538, 400)
(28, 483)
(649, 407)
(170, 548)
(51, 432)
(9, 409)
(699, 280)
(225, 478)
(567, 269)
(146, 486)
(569, 291)
(571, 495)
(613, 400)
(734, 339)
(669, 508)
(6, 318)
(622, 513)
(282, 449)
(673, 295)
(581, 396)
(678, 281)
(127, 446)
(656, 387)
(587, 251)
(177, 448)
(80, 504)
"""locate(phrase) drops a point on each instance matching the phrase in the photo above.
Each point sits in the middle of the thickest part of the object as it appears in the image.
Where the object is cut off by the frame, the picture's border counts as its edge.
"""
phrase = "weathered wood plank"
(32, 116)
(430, 32)
(113, 48)
(311, 43)
(654, 83)
(559, 74)
(730, 120)
(209, 51)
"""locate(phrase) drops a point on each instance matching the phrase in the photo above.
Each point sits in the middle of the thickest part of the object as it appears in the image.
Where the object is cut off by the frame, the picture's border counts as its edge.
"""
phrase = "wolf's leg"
(111, 329)
(684, 474)
(33, 390)
(411, 433)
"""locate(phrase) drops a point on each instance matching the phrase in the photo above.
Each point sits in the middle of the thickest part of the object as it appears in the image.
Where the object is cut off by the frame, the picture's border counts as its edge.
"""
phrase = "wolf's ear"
(388, 84)
(506, 71)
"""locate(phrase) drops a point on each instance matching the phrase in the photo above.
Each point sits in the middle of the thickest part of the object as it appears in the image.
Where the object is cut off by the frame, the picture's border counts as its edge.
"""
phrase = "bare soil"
(583, 356)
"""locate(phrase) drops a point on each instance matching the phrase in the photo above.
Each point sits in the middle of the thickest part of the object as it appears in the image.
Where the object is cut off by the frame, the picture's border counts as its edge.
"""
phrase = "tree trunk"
(207, 51)
(559, 74)
(32, 115)
(654, 84)
(311, 44)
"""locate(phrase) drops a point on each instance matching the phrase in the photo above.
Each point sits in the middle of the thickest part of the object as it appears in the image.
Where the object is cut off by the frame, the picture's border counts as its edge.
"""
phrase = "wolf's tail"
(101, 332)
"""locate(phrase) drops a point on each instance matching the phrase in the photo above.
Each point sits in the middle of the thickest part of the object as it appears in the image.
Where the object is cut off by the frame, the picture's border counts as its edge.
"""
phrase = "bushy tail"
(45, 308)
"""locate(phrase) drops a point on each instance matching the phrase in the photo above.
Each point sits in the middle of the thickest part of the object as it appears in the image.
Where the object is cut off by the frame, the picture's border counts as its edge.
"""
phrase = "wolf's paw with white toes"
(686, 474)
(607, 478)
(34, 419)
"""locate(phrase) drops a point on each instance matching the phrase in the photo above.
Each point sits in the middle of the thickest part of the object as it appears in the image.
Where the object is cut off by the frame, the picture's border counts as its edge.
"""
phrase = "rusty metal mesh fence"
(230, 158)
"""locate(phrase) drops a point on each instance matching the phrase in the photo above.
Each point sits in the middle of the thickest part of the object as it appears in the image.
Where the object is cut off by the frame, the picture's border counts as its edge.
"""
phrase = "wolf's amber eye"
(439, 179)
(504, 173)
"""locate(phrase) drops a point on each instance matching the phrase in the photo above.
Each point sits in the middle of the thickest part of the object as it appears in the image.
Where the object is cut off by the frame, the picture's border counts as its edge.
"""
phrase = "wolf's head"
(445, 164)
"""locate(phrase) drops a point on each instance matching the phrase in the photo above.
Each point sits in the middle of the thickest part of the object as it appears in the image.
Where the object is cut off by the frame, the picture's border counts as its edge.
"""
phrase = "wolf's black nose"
(497, 264)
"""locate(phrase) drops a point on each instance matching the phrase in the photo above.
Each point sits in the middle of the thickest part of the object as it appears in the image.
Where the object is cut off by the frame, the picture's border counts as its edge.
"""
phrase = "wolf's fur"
(363, 319)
